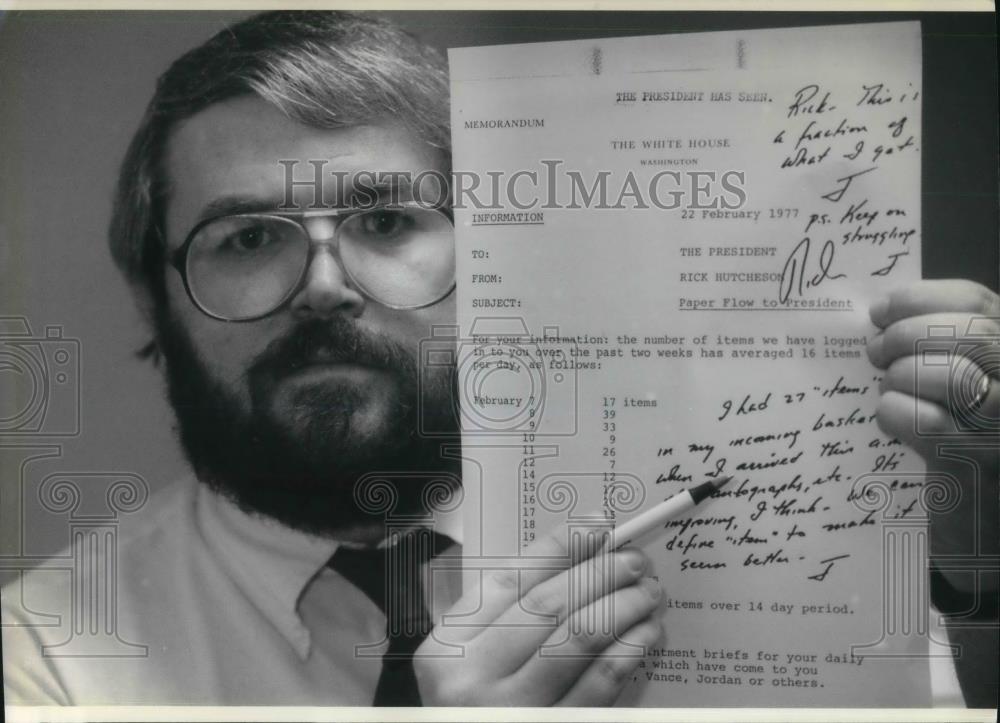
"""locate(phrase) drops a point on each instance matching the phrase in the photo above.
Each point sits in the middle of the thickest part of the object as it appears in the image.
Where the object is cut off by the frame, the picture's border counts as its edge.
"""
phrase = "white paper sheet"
(615, 355)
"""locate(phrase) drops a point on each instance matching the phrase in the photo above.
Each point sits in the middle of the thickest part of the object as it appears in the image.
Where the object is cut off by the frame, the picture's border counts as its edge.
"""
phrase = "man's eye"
(248, 239)
(386, 224)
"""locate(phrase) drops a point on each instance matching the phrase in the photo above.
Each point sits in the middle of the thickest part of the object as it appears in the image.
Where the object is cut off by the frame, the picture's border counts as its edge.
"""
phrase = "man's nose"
(327, 289)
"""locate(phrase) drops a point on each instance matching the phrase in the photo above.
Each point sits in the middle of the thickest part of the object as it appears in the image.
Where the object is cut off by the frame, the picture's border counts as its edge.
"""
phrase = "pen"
(666, 510)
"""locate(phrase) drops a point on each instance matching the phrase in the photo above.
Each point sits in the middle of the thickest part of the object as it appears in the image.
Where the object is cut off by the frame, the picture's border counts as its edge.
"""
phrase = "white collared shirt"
(232, 609)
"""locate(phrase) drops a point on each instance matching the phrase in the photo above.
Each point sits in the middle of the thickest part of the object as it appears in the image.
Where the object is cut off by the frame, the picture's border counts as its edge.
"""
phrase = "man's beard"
(297, 456)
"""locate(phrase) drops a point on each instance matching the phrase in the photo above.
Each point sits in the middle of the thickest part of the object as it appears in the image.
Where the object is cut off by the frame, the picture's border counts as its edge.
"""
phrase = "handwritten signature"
(796, 276)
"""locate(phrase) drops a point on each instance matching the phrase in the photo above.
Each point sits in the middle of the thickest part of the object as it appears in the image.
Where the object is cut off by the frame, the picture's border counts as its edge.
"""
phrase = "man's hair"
(323, 69)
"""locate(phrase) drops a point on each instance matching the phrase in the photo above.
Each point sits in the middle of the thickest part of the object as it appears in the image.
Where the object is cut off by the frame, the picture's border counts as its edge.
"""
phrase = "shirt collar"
(272, 563)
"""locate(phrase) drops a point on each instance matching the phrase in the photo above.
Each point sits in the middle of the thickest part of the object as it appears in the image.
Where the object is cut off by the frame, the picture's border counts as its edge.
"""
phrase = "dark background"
(73, 87)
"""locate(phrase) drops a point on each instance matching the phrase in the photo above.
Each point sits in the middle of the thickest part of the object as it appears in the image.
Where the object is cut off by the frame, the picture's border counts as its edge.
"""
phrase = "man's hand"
(519, 611)
(938, 409)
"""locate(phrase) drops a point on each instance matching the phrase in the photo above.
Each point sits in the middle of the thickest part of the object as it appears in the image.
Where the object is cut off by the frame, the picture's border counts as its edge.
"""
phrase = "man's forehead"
(241, 148)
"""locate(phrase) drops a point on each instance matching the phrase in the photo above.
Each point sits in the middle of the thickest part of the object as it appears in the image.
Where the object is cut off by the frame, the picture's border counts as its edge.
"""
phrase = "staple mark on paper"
(596, 59)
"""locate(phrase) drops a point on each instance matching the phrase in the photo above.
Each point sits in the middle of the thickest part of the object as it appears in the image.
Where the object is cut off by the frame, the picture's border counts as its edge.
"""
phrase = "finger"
(934, 296)
(901, 415)
(602, 682)
(516, 634)
(501, 587)
(954, 383)
(959, 333)
(923, 425)
(553, 669)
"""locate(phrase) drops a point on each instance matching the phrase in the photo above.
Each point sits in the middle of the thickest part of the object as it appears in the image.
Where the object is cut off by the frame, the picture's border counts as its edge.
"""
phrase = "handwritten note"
(667, 250)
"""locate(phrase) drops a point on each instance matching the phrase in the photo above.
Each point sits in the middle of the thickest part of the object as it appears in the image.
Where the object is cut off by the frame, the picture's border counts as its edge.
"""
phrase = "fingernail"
(649, 632)
(875, 349)
(634, 559)
(878, 311)
(652, 587)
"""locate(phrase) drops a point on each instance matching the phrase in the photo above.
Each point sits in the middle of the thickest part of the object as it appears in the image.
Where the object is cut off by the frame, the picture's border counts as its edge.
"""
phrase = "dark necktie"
(391, 578)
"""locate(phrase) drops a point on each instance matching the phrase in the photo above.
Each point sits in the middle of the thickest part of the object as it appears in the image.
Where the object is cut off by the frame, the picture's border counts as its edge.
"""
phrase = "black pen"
(657, 516)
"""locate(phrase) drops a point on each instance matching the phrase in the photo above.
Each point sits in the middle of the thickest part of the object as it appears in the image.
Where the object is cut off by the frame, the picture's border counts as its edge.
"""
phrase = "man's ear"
(146, 305)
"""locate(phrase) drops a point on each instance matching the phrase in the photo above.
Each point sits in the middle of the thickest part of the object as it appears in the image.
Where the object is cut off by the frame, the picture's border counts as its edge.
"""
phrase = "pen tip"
(720, 483)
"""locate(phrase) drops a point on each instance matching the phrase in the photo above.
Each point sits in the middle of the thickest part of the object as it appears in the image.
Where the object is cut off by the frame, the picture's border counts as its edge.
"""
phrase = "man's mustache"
(330, 341)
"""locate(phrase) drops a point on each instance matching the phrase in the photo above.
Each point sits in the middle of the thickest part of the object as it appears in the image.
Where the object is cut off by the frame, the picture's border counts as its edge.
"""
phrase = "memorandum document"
(667, 250)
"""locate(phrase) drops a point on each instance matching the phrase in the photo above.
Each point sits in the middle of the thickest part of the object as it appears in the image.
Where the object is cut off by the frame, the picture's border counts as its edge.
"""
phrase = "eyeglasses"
(241, 267)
